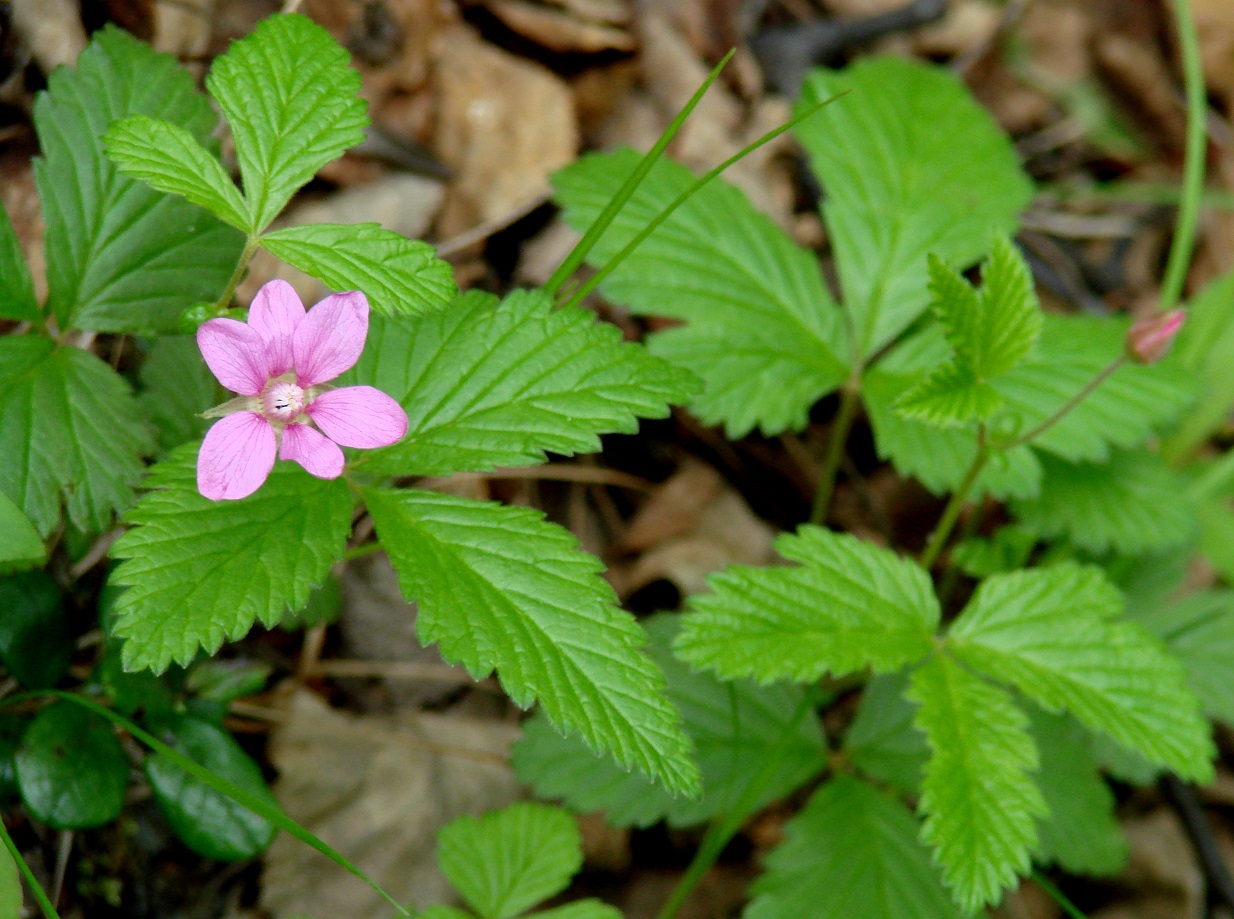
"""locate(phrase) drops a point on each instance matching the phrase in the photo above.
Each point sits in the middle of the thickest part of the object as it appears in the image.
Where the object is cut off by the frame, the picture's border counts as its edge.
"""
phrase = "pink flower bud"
(1149, 339)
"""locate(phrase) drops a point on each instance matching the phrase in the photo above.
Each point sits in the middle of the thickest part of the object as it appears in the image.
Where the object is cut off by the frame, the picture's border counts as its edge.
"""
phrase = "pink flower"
(278, 363)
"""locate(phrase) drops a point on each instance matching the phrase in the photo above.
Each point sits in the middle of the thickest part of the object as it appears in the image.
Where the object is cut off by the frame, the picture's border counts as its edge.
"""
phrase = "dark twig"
(787, 52)
(1218, 884)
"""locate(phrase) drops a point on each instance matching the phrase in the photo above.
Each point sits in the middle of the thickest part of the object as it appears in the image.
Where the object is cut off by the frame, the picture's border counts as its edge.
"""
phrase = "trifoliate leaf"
(1205, 347)
(72, 433)
(1133, 504)
(20, 544)
(201, 571)
(737, 728)
(400, 276)
(1081, 833)
(168, 157)
(1199, 631)
(990, 331)
(71, 768)
(209, 822)
(122, 257)
(852, 852)
(760, 328)
(509, 860)
(980, 801)
(910, 164)
(882, 742)
(17, 299)
(290, 100)
(846, 606)
(176, 387)
(490, 384)
(500, 588)
(1057, 635)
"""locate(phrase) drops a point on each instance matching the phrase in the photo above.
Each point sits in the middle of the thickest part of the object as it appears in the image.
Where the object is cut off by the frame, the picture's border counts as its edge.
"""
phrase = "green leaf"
(1132, 504)
(1205, 347)
(846, 606)
(980, 802)
(168, 157)
(17, 299)
(1199, 631)
(500, 588)
(737, 729)
(1081, 833)
(990, 333)
(400, 276)
(210, 823)
(71, 768)
(910, 164)
(199, 571)
(20, 543)
(444, 912)
(1006, 550)
(176, 387)
(10, 885)
(580, 909)
(72, 433)
(509, 860)
(122, 257)
(1057, 634)
(490, 384)
(36, 644)
(852, 852)
(290, 100)
(882, 741)
(760, 328)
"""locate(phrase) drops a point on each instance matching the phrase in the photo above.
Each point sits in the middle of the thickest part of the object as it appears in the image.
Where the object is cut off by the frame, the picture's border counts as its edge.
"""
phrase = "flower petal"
(330, 338)
(358, 416)
(275, 313)
(235, 457)
(235, 354)
(312, 450)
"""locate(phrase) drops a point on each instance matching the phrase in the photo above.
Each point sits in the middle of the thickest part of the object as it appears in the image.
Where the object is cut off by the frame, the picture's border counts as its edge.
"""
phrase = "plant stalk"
(951, 513)
(250, 249)
(850, 395)
(1071, 403)
(40, 896)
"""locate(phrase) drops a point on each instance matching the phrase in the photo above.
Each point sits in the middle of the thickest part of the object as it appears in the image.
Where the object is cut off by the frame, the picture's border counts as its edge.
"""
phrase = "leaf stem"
(367, 548)
(1057, 895)
(49, 911)
(1067, 406)
(1196, 155)
(246, 256)
(951, 513)
(850, 395)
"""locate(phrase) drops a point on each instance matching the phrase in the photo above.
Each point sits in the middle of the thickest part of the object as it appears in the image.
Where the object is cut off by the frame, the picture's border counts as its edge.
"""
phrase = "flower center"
(282, 401)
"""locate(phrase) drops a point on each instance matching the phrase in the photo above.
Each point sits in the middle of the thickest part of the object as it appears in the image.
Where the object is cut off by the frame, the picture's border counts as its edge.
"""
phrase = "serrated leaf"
(36, 644)
(72, 433)
(490, 384)
(71, 768)
(980, 802)
(760, 328)
(509, 860)
(950, 396)
(1081, 833)
(1057, 635)
(20, 543)
(736, 729)
(176, 387)
(852, 852)
(500, 588)
(882, 742)
(1205, 347)
(580, 909)
(168, 157)
(122, 257)
(1133, 503)
(210, 823)
(1006, 550)
(846, 606)
(290, 100)
(910, 164)
(400, 276)
(201, 571)
(17, 299)
(1199, 631)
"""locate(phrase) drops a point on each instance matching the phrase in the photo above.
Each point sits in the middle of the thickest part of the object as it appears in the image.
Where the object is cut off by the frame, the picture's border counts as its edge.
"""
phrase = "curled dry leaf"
(560, 30)
(377, 789)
